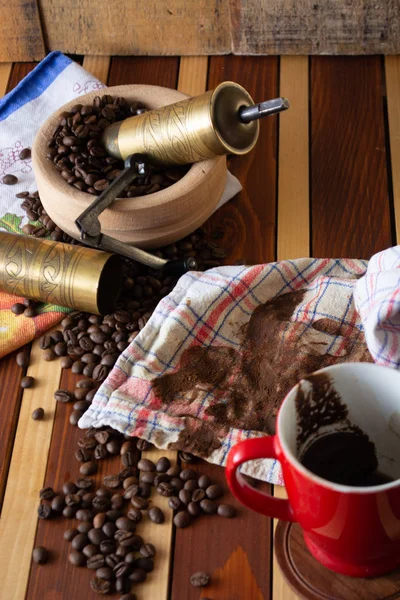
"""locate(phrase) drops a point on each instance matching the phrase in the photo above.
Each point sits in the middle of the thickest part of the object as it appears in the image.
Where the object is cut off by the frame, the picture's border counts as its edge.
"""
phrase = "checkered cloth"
(377, 298)
(209, 309)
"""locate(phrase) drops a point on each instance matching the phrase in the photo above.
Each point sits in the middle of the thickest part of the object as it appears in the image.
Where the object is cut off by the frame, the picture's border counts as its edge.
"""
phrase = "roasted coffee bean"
(90, 550)
(145, 490)
(112, 560)
(191, 485)
(187, 474)
(198, 495)
(84, 483)
(185, 496)
(113, 447)
(105, 573)
(131, 491)
(47, 493)
(30, 311)
(156, 515)
(148, 477)
(137, 575)
(129, 481)
(182, 519)
(117, 501)
(125, 524)
(87, 499)
(63, 396)
(83, 454)
(104, 492)
(127, 539)
(147, 550)
(72, 499)
(40, 555)
(113, 515)
(147, 564)
(134, 514)
(80, 541)
(122, 585)
(44, 511)
(177, 484)
(66, 362)
(27, 382)
(138, 502)
(226, 510)
(22, 359)
(214, 491)
(95, 562)
(109, 529)
(122, 552)
(88, 468)
(193, 509)
(84, 527)
(111, 481)
(58, 503)
(175, 503)
(187, 457)
(208, 506)
(99, 520)
(85, 383)
(69, 488)
(77, 367)
(143, 445)
(96, 536)
(48, 355)
(108, 546)
(90, 395)
(76, 558)
(89, 358)
(69, 534)
(163, 464)
(122, 569)
(102, 437)
(100, 586)
(204, 482)
(126, 447)
(128, 597)
(25, 154)
(125, 473)
(69, 512)
(38, 414)
(199, 579)
(128, 459)
(159, 478)
(100, 452)
(81, 405)
(75, 416)
(60, 349)
(80, 394)
(10, 179)
(101, 503)
(166, 489)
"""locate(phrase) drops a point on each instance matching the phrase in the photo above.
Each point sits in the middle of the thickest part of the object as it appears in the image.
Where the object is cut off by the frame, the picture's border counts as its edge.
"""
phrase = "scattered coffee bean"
(25, 154)
(22, 359)
(84, 483)
(100, 586)
(10, 180)
(63, 396)
(69, 488)
(185, 496)
(187, 457)
(147, 564)
(125, 524)
(156, 515)
(108, 546)
(77, 558)
(147, 550)
(182, 519)
(69, 534)
(40, 555)
(48, 354)
(95, 562)
(214, 491)
(187, 474)
(75, 416)
(175, 503)
(38, 414)
(18, 308)
(204, 482)
(193, 509)
(69, 512)
(113, 447)
(84, 514)
(198, 495)
(90, 550)
(226, 510)
(199, 579)
(44, 511)
(163, 464)
(208, 506)
(84, 527)
(138, 502)
(47, 493)
(111, 481)
(27, 382)
(191, 485)
(166, 489)
(88, 468)
(66, 362)
(134, 514)
(58, 503)
(105, 573)
(145, 464)
(143, 445)
(138, 575)
(80, 541)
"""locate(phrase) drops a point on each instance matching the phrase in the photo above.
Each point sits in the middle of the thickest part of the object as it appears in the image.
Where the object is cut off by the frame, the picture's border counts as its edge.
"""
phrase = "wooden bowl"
(146, 221)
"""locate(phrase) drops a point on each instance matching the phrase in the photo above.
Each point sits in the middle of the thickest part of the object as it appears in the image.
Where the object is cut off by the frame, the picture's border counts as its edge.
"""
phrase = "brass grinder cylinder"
(62, 274)
(188, 131)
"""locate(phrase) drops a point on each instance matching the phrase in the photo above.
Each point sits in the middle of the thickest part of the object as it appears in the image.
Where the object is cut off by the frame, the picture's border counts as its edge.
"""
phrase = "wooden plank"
(293, 185)
(193, 75)
(310, 27)
(280, 589)
(10, 373)
(26, 476)
(236, 553)
(350, 200)
(137, 28)
(5, 71)
(20, 31)
(98, 66)
(146, 70)
(392, 68)
(248, 222)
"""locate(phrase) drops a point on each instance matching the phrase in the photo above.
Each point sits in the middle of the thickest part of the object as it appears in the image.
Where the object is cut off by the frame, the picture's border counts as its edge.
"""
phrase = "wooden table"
(324, 180)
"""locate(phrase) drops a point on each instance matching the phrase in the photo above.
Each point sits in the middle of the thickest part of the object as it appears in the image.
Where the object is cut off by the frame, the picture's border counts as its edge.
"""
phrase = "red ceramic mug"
(351, 530)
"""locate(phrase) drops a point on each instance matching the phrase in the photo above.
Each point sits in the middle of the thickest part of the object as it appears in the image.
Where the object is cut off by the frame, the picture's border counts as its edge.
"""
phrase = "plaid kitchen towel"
(220, 352)
(55, 81)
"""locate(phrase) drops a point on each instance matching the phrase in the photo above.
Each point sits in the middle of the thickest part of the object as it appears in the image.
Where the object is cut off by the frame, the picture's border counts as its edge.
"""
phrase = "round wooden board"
(311, 581)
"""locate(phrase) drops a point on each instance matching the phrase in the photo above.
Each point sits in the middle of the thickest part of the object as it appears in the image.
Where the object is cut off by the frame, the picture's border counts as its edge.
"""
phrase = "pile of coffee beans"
(78, 153)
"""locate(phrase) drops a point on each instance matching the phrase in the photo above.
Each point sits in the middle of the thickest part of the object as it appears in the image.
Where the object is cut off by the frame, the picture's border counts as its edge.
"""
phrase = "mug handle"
(261, 502)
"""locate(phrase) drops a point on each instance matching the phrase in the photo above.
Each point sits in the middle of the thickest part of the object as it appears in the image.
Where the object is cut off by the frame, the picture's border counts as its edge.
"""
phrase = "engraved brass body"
(61, 274)
(188, 131)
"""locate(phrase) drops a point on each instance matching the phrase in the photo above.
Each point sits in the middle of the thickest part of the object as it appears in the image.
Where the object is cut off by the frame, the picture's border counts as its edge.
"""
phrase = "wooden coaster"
(311, 581)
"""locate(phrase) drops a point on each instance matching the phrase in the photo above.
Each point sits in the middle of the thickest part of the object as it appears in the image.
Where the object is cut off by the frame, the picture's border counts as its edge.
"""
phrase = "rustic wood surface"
(20, 31)
(345, 208)
(206, 27)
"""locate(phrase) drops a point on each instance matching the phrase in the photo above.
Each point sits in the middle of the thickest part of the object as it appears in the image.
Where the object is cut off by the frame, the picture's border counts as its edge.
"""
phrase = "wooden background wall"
(30, 28)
